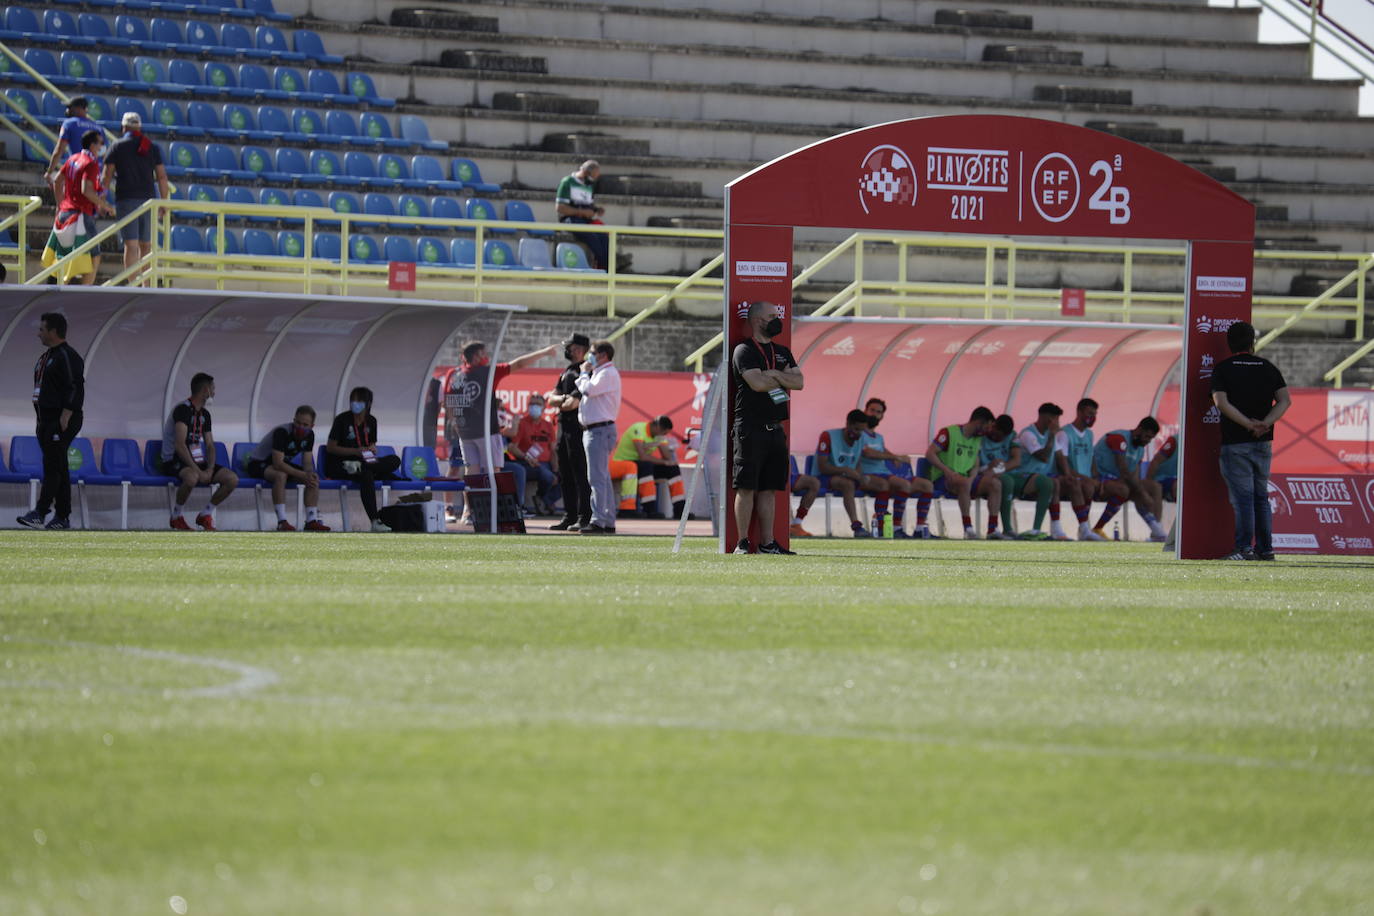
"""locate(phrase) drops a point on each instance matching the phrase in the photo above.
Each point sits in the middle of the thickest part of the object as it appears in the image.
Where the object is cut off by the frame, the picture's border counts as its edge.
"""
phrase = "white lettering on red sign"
(761, 269)
(1350, 416)
(1320, 491)
(1221, 284)
(953, 169)
(1055, 187)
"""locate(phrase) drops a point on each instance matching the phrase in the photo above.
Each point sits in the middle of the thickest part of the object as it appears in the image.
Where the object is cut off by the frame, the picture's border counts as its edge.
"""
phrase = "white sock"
(1056, 528)
(177, 511)
(281, 511)
(312, 513)
(208, 510)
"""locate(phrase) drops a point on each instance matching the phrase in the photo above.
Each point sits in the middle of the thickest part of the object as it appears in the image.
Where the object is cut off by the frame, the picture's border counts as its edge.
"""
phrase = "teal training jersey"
(1080, 449)
(874, 465)
(841, 453)
(992, 452)
(1168, 468)
(1116, 442)
(1033, 440)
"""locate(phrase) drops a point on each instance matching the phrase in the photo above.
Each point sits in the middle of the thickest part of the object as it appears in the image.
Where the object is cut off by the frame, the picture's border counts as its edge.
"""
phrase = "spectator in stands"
(575, 202)
(1000, 455)
(952, 459)
(645, 456)
(808, 488)
(59, 393)
(1074, 457)
(572, 456)
(1116, 462)
(838, 456)
(70, 136)
(351, 453)
(1033, 479)
(134, 162)
(764, 373)
(599, 384)
(286, 453)
(879, 462)
(188, 453)
(1252, 395)
(533, 443)
(78, 194)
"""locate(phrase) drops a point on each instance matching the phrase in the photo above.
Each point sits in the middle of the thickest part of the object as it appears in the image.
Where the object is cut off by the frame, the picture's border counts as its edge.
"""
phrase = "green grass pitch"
(264, 724)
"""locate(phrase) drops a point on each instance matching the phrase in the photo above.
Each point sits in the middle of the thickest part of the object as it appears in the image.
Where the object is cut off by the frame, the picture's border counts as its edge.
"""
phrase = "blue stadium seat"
(432, 251)
(361, 87)
(222, 77)
(184, 238)
(419, 463)
(498, 254)
(134, 31)
(150, 74)
(167, 36)
(290, 244)
(123, 459)
(308, 123)
(426, 172)
(291, 165)
(571, 256)
(225, 8)
(344, 202)
(361, 167)
(306, 198)
(12, 72)
(377, 128)
(235, 36)
(326, 163)
(26, 102)
(363, 249)
(463, 252)
(97, 28)
(271, 40)
(185, 159)
(290, 81)
(327, 247)
(78, 69)
(325, 83)
(170, 116)
(375, 204)
(186, 74)
(240, 120)
(534, 254)
(311, 46)
(446, 208)
(52, 109)
(341, 123)
(27, 152)
(222, 159)
(477, 208)
(43, 61)
(273, 120)
(204, 116)
(258, 160)
(519, 211)
(398, 248)
(263, 9)
(114, 69)
(241, 196)
(199, 192)
(254, 77)
(63, 25)
(124, 104)
(273, 197)
(416, 132)
(99, 109)
(410, 205)
(231, 240)
(203, 37)
(259, 244)
(21, 24)
(393, 168)
(466, 171)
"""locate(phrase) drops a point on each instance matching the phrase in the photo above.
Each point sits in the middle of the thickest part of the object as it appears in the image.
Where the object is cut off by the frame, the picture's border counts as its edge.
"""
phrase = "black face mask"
(773, 328)
(873, 422)
(567, 353)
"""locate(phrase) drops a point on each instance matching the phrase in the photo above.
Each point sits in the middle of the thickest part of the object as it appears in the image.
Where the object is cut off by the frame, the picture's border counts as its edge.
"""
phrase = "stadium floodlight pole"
(486, 416)
(714, 407)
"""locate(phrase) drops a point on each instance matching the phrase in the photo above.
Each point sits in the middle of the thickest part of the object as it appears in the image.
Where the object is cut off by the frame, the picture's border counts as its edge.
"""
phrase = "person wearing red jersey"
(77, 190)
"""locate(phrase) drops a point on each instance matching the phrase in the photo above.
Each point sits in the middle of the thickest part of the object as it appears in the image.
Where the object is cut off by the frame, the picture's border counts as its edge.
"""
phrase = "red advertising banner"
(1322, 514)
(1219, 288)
(1326, 431)
(758, 261)
(400, 276)
(1072, 303)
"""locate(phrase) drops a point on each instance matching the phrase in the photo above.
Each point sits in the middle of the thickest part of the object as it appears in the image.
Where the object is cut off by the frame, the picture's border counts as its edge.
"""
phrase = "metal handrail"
(1355, 276)
(23, 207)
(1311, 20)
(1336, 374)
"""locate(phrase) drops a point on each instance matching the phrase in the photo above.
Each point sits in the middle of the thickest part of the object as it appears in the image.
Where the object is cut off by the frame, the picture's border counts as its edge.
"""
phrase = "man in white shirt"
(599, 386)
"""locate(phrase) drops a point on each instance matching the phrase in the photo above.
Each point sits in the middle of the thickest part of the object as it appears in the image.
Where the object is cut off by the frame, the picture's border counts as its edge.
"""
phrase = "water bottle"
(1116, 531)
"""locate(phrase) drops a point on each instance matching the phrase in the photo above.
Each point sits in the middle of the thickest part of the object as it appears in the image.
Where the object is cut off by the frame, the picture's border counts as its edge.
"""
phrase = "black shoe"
(776, 548)
(743, 546)
(598, 529)
(58, 524)
(32, 519)
(1266, 557)
(564, 525)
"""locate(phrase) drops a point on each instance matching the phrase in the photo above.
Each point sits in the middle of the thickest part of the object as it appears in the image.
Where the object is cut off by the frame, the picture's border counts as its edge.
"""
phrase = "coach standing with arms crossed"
(764, 374)
(59, 390)
(572, 456)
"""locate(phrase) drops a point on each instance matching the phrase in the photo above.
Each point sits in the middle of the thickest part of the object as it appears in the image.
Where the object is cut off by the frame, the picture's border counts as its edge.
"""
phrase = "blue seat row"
(372, 202)
(185, 77)
(387, 171)
(250, 9)
(89, 30)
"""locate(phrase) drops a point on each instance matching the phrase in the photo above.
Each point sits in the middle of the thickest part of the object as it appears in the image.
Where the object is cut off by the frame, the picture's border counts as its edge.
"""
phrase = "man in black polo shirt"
(287, 452)
(764, 373)
(1251, 394)
(572, 457)
(135, 163)
(59, 391)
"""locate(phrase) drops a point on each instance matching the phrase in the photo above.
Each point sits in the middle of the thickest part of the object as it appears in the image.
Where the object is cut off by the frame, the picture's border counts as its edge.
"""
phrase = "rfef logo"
(887, 178)
(1055, 187)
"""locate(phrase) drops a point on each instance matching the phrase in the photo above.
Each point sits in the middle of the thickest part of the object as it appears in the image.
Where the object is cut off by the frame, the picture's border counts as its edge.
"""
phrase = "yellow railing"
(1004, 298)
(1336, 375)
(18, 222)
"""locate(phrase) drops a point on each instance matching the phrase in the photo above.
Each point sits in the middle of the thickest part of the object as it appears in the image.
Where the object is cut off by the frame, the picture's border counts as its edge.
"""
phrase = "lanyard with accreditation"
(195, 443)
(368, 453)
(770, 358)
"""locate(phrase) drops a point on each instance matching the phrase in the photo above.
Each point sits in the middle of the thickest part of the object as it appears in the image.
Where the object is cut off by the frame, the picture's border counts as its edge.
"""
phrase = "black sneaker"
(598, 529)
(743, 546)
(564, 525)
(32, 519)
(775, 548)
(1266, 557)
(58, 524)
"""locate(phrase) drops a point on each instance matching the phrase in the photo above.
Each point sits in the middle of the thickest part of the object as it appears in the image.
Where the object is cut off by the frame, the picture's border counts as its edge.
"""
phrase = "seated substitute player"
(953, 458)
(1000, 455)
(1116, 462)
(1074, 457)
(1163, 469)
(808, 488)
(188, 453)
(642, 457)
(838, 454)
(875, 462)
(1035, 478)
(286, 453)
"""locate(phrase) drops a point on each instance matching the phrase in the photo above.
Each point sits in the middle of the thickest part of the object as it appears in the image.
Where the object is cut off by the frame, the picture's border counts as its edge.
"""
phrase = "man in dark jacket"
(59, 390)
(572, 457)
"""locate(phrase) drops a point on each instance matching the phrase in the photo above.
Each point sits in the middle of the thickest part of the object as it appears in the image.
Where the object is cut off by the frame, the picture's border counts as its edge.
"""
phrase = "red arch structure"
(994, 175)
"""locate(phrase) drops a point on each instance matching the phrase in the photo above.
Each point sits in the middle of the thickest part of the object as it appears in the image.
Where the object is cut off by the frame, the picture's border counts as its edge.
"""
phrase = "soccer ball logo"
(887, 177)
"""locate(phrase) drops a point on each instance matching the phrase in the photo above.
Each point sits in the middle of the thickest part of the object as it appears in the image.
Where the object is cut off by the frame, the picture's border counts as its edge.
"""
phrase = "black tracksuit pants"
(56, 492)
(577, 488)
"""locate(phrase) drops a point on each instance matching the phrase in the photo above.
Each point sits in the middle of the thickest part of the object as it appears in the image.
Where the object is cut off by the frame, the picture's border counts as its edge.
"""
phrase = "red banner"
(1322, 514)
(1326, 431)
(759, 267)
(1219, 287)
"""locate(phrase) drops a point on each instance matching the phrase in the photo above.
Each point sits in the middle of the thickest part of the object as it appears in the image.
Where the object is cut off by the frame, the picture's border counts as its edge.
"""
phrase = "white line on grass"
(250, 678)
